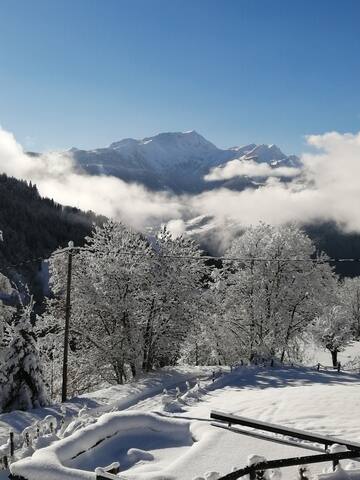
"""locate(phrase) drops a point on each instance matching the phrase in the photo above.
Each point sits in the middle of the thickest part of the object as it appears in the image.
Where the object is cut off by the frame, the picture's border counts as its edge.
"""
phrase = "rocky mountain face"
(175, 161)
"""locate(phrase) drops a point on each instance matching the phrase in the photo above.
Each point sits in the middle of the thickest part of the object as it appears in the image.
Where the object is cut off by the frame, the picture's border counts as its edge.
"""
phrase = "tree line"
(143, 302)
(33, 226)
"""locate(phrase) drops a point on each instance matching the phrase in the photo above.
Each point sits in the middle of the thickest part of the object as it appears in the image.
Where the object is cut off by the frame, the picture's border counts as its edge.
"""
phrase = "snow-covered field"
(152, 440)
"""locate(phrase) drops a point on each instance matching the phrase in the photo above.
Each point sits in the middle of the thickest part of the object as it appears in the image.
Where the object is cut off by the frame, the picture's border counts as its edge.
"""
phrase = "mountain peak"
(172, 160)
(190, 136)
(172, 145)
(265, 153)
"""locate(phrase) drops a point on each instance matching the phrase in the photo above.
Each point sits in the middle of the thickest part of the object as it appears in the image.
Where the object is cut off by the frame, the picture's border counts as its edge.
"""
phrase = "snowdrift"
(60, 460)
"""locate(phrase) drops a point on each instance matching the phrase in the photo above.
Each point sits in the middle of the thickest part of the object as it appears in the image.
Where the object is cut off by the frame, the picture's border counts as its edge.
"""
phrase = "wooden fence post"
(12, 448)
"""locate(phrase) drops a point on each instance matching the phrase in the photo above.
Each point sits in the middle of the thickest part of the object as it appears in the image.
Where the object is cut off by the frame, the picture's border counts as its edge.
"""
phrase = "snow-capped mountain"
(270, 154)
(176, 161)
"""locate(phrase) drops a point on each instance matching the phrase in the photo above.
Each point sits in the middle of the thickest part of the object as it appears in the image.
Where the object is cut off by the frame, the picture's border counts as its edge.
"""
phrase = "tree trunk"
(334, 357)
(282, 356)
(133, 369)
(119, 373)
(147, 337)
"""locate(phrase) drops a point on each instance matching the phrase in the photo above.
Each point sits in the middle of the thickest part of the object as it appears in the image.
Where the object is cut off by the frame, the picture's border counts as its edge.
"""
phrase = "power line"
(35, 260)
(193, 258)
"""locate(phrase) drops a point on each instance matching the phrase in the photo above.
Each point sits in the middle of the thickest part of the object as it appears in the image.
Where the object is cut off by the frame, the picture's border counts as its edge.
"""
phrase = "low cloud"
(249, 168)
(176, 227)
(328, 189)
(57, 177)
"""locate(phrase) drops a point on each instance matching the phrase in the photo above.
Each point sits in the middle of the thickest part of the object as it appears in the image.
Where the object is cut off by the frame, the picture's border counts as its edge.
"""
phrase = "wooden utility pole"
(67, 324)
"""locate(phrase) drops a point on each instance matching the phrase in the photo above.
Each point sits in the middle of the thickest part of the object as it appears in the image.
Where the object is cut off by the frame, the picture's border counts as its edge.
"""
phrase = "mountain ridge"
(175, 161)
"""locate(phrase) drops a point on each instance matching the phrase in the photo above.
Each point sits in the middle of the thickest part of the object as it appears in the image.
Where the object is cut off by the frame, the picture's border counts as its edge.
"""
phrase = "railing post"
(12, 446)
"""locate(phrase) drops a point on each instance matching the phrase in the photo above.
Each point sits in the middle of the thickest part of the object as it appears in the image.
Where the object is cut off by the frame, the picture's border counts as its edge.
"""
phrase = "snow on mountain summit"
(175, 161)
(167, 149)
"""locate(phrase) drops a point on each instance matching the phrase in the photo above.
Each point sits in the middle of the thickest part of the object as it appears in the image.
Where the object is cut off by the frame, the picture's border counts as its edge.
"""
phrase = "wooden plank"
(291, 462)
(291, 432)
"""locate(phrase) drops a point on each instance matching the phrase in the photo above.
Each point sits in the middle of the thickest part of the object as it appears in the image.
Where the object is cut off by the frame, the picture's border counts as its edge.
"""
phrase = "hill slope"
(33, 227)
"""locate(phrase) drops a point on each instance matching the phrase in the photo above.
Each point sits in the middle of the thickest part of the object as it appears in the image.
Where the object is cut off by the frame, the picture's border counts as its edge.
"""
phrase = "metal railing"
(353, 448)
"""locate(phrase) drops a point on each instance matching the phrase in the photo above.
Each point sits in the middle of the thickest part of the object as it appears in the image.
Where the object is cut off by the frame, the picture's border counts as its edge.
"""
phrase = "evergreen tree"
(23, 386)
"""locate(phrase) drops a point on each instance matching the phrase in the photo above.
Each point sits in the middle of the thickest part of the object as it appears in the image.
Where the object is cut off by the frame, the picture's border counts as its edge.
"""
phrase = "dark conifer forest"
(33, 227)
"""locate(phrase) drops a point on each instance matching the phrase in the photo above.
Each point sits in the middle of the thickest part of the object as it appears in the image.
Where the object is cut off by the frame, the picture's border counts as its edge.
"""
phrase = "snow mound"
(174, 406)
(61, 460)
(137, 454)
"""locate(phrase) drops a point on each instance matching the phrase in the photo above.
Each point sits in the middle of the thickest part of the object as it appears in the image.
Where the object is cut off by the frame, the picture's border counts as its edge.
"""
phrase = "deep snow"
(177, 440)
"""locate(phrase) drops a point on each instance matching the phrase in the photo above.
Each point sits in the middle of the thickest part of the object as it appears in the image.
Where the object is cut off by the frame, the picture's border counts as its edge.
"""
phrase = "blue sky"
(85, 73)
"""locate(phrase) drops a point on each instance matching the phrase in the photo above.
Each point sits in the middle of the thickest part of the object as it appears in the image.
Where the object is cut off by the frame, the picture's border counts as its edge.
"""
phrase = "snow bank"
(103, 401)
(341, 474)
(127, 395)
(51, 463)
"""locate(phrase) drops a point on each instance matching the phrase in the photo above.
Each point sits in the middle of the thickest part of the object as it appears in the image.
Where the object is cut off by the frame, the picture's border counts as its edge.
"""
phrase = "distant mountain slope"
(33, 227)
(175, 161)
(215, 237)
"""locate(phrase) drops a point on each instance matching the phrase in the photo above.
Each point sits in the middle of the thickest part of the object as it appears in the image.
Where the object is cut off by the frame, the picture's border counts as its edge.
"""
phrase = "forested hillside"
(34, 227)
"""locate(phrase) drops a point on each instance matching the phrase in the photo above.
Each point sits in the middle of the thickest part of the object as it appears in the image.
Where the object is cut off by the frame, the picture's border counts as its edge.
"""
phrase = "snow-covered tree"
(133, 301)
(332, 330)
(6, 311)
(275, 288)
(24, 385)
(176, 287)
(350, 299)
(110, 276)
(213, 339)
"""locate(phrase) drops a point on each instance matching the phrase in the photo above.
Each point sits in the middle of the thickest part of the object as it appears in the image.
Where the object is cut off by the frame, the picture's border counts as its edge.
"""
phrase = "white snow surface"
(118, 433)
(117, 397)
(153, 442)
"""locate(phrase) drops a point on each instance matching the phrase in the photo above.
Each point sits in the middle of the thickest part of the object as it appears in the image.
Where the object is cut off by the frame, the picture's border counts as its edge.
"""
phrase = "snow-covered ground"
(177, 441)
(117, 397)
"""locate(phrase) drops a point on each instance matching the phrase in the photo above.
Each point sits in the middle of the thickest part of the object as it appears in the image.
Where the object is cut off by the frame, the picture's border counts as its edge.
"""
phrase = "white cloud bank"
(249, 168)
(56, 177)
(329, 189)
